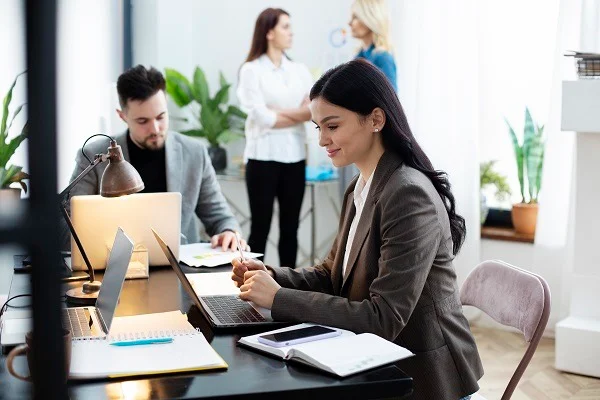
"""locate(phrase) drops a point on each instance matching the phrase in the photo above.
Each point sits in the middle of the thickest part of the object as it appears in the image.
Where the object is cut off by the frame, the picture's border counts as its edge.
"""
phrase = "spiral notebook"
(189, 350)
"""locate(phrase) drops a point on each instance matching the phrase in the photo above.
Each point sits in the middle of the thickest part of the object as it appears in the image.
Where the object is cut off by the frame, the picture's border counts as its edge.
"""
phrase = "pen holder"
(138, 265)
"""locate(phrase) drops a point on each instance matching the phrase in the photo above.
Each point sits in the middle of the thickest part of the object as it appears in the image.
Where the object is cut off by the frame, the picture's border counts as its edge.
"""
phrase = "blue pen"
(143, 341)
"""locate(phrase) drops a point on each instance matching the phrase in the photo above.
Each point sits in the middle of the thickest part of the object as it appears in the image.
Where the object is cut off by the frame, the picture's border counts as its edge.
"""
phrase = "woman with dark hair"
(390, 269)
(273, 90)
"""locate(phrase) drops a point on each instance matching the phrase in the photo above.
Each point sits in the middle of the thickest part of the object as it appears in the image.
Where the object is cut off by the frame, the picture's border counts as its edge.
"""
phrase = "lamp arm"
(64, 195)
(97, 160)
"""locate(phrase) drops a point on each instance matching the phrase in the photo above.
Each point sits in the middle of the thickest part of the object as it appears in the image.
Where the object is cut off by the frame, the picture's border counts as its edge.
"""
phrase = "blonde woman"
(370, 24)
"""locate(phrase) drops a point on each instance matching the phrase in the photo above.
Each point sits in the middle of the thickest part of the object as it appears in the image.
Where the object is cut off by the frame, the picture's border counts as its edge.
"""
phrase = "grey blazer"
(189, 171)
(399, 284)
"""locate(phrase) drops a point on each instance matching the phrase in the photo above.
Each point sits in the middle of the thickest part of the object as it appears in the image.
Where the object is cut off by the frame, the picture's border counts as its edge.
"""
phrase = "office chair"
(513, 297)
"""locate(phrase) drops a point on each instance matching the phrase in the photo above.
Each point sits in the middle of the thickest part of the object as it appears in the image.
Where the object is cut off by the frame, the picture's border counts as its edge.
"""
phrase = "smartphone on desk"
(296, 336)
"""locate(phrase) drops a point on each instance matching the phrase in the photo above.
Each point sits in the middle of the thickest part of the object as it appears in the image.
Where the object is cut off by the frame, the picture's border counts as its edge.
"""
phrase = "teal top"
(382, 60)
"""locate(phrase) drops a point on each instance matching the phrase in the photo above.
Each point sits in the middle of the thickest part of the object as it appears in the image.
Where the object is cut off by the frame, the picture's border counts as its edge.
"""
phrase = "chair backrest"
(513, 297)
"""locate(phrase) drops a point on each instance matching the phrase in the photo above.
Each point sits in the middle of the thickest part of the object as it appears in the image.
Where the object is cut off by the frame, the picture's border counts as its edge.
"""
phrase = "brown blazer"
(399, 284)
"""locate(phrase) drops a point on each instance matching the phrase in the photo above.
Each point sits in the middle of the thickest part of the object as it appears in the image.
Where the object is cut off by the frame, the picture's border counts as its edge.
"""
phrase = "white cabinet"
(578, 336)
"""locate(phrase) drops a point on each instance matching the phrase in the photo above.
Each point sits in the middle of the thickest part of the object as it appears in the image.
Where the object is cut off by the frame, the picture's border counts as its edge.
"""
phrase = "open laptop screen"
(114, 277)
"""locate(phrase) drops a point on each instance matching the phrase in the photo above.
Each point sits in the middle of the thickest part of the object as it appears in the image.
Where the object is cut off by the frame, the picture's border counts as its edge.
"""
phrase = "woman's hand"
(260, 288)
(241, 267)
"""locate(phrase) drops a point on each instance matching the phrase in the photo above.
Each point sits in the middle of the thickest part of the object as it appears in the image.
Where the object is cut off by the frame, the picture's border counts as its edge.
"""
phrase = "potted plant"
(488, 177)
(10, 174)
(219, 122)
(530, 161)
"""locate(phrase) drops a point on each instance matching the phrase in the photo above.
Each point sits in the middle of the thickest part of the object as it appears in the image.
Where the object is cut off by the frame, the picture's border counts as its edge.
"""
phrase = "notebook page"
(189, 350)
(98, 359)
(149, 325)
(347, 355)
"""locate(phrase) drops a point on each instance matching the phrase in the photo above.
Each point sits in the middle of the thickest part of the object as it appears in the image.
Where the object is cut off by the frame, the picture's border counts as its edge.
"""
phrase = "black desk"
(250, 375)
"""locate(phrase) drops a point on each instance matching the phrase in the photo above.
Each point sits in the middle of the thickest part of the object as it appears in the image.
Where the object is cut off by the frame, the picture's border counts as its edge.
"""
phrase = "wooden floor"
(501, 352)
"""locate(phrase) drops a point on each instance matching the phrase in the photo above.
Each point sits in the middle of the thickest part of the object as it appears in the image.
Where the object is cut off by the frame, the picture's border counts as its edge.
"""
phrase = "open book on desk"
(100, 358)
(342, 355)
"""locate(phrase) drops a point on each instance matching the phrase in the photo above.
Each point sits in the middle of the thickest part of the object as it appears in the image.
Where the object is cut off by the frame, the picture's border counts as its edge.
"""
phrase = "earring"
(376, 130)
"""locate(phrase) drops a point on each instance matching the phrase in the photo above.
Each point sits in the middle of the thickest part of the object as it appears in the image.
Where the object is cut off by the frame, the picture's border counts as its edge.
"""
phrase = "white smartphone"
(295, 336)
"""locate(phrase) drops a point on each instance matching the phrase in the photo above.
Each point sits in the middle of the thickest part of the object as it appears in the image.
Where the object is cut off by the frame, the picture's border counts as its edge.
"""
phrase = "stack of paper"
(203, 255)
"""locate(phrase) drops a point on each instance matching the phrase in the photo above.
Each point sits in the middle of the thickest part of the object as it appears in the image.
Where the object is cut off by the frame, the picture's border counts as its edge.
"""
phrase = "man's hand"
(228, 242)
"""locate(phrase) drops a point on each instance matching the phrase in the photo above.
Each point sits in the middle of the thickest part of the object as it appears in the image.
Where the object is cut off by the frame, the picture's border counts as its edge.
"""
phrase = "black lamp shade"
(120, 177)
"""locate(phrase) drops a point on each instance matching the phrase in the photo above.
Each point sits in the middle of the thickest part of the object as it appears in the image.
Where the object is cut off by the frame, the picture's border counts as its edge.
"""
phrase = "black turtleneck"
(151, 164)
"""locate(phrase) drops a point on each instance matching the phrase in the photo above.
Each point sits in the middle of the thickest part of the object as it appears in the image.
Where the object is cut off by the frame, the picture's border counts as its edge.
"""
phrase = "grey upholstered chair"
(513, 297)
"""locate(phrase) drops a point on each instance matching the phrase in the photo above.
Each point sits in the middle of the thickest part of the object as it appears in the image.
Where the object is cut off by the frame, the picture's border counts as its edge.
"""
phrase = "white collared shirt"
(361, 191)
(261, 88)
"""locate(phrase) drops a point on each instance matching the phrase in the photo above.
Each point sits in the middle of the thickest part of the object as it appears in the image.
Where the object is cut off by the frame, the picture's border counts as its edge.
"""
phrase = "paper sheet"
(202, 255)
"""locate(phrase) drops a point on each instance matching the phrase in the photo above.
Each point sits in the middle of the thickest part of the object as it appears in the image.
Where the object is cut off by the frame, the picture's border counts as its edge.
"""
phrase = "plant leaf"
(222, 80)
(540, 169)
(178, 87)
(17, 111)
(534, 157)
(195, 132)
(210, 120)
(7, 151)
(5, 104)
(222, 97)
(518, 157)
(233, 110)
(8, 174)
(201, 92)
(228, 135)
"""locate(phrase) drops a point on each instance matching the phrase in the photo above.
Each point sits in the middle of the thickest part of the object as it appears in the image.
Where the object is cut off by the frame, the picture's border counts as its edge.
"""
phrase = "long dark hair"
(361, 87)
(266, 21)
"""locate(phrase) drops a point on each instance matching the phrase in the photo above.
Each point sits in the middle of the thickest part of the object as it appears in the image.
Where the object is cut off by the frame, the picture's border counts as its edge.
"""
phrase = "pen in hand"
(239, 246)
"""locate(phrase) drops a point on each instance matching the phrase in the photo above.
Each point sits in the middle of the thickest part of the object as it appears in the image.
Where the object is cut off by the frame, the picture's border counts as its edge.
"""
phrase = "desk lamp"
(119, 178)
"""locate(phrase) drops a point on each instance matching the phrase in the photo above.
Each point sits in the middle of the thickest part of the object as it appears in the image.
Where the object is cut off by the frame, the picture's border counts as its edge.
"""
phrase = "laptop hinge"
(102, 323)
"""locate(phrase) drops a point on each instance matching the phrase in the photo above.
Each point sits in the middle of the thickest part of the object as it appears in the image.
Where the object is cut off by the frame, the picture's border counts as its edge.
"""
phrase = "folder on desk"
(189, 350)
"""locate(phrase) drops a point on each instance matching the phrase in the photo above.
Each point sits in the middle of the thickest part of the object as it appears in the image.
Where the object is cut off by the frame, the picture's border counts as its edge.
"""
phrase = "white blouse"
(361, 191)
(263, 87)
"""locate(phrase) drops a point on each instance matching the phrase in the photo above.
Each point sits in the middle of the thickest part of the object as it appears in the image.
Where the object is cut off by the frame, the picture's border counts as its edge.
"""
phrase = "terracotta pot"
(524, 217)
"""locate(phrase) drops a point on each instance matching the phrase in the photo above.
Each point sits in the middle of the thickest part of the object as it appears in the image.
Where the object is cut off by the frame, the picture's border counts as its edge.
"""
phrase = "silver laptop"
(222, 311)
(95, 322)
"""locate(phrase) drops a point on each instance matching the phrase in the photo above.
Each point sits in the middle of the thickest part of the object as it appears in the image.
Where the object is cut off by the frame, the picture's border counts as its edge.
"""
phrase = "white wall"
(88, 61)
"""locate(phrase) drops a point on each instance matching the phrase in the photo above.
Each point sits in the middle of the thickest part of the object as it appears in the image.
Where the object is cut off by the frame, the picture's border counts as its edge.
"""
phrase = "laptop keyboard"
(76, 320)
(232, 310)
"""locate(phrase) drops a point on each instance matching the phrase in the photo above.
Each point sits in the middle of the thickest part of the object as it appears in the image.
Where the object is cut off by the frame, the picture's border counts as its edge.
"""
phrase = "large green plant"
(530, 157)
(11, 173)
(219, 122)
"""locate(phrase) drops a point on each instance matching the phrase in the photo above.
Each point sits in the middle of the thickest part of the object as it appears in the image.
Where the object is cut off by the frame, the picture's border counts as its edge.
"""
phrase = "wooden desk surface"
(250, 374)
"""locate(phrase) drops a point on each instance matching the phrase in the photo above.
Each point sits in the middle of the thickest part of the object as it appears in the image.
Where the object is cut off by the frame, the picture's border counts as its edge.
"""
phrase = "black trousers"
(265, 181)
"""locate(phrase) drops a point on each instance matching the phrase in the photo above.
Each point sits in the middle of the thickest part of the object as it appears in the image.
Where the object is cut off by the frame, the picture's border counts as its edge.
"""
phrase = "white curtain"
(437, 47)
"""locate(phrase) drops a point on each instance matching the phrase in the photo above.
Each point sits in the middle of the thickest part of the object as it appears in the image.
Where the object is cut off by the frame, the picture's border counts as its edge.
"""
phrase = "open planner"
(342, 355)
(101, 358)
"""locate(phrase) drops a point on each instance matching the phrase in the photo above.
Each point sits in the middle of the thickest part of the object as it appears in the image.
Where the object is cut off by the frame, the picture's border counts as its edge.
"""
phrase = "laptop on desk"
(221, 311)
(95, 322)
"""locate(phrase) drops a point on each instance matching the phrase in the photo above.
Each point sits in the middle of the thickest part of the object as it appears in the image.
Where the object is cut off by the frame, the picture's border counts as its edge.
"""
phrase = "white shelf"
(580, 106)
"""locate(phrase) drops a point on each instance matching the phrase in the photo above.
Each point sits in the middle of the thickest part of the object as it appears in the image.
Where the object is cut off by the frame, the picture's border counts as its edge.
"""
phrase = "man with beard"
(166, 160)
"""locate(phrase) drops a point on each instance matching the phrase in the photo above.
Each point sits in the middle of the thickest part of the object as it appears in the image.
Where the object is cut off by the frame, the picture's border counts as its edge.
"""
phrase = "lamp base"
(85, 295)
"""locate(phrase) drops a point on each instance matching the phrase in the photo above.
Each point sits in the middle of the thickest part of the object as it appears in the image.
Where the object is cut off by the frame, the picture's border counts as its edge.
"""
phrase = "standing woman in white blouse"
(273, 90)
